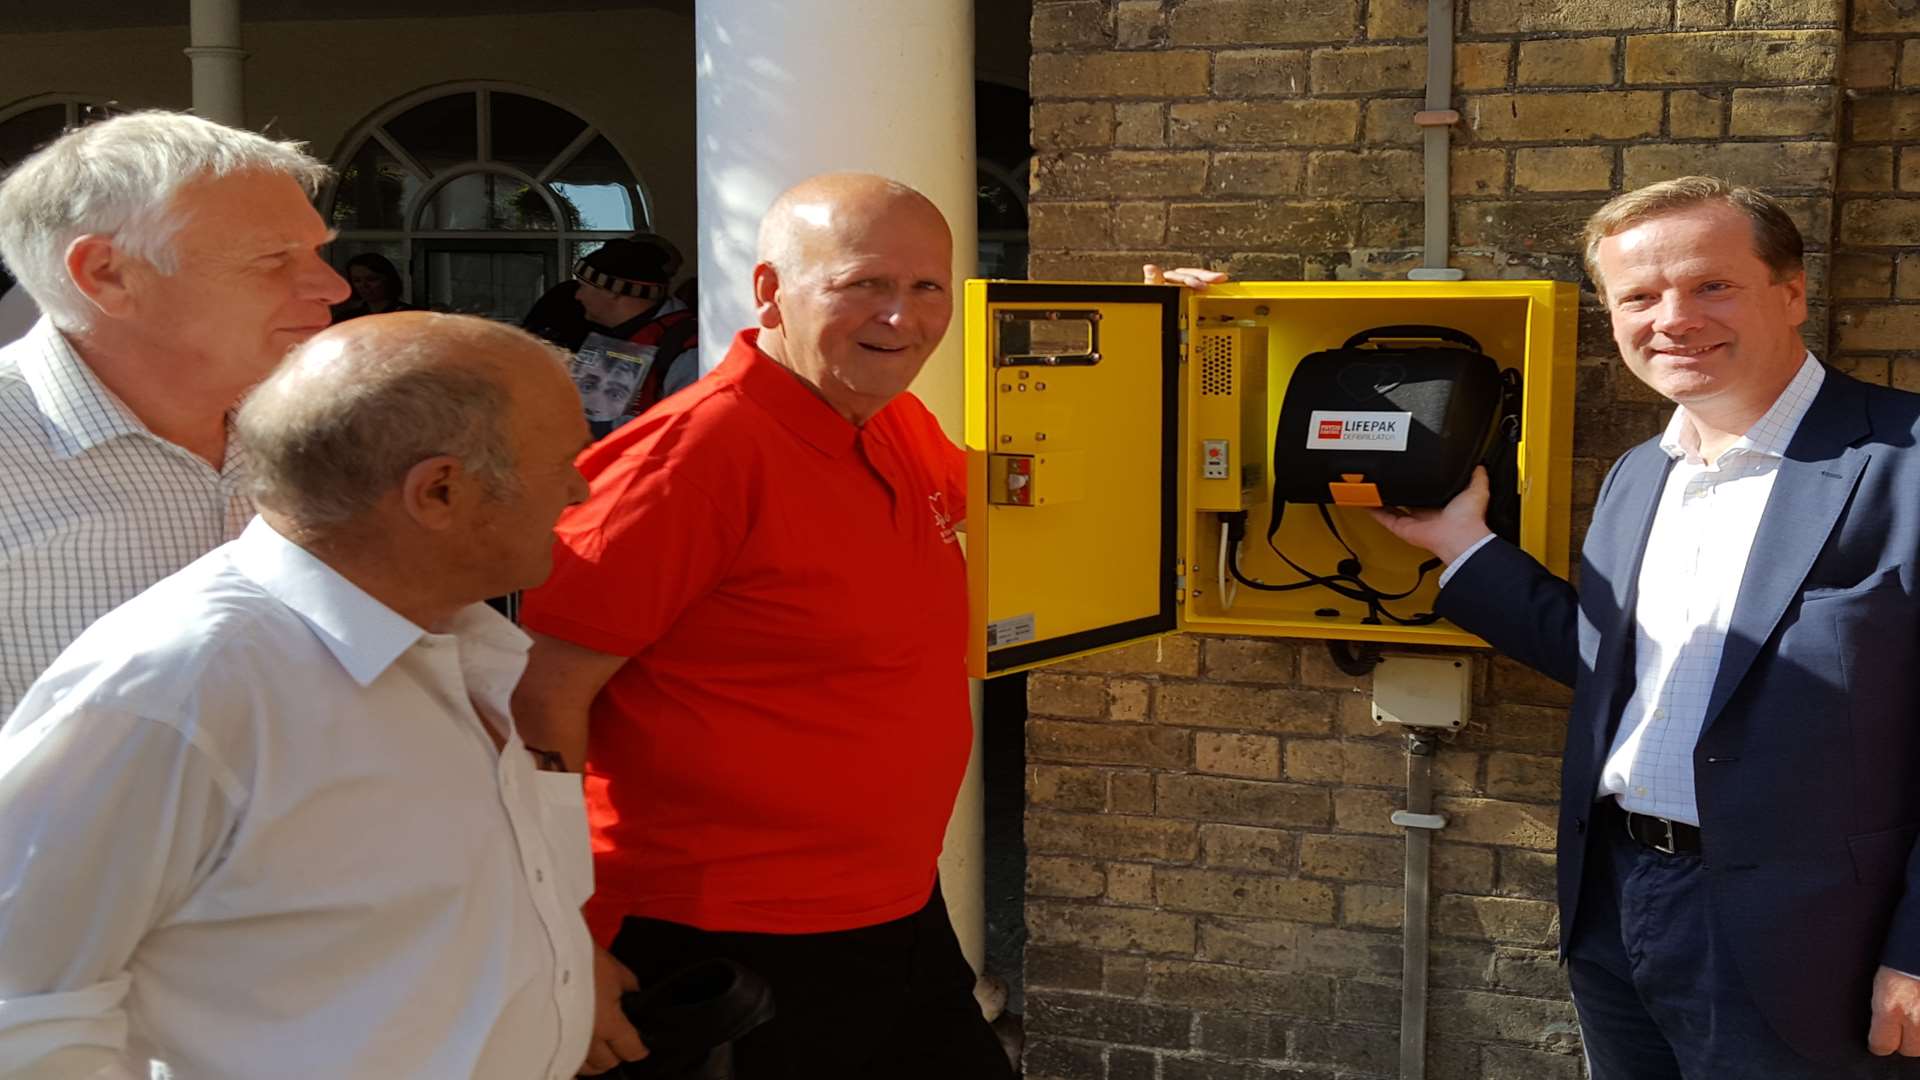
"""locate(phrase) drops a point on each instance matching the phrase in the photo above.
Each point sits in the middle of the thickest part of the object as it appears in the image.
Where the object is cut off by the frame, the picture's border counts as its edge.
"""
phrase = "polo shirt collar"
(76, 408)
(791, 401)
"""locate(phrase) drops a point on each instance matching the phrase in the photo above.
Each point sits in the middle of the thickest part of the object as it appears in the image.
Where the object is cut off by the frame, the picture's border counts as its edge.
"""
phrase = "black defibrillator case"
(1397, 416)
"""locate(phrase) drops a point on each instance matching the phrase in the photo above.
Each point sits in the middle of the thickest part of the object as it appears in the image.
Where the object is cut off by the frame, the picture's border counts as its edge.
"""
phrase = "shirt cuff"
(1447, 574)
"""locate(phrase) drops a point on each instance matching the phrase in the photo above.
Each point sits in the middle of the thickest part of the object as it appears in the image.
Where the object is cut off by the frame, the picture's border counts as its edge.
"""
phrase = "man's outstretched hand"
(1191, 277)
(1448, 531)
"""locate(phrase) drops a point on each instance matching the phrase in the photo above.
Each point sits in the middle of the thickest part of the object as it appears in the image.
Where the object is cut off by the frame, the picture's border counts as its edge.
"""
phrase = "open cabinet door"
(1072, 429)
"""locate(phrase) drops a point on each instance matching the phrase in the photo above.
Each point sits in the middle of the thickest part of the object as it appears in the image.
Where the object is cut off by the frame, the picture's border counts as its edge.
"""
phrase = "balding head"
(340, 423)
(854, 287)
(821, 210)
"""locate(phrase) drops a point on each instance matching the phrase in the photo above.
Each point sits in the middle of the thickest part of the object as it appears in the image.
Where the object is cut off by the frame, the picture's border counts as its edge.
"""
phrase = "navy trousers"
(1658, 991)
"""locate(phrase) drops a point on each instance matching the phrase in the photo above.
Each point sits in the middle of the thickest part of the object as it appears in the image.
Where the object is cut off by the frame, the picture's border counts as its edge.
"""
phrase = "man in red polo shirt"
(762, 610)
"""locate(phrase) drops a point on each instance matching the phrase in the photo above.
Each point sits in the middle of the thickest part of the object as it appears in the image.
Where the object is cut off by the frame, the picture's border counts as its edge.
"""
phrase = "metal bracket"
(1409, 820)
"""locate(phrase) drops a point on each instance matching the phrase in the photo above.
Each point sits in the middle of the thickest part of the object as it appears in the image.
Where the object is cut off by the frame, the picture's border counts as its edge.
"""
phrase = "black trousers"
(886, 1002)
(1658, 990)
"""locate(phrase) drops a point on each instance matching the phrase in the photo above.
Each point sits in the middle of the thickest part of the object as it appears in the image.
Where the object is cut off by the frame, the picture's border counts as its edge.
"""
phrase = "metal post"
(1420, 822)
(218, 61)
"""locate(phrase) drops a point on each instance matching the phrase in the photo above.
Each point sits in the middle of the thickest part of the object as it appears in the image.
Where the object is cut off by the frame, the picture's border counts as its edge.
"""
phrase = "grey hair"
(338, 425)
(118, 178)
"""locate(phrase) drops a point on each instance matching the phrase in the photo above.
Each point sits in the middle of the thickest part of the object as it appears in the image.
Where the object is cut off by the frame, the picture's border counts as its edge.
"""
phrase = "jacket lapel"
(1815, 481)
(1622, 534)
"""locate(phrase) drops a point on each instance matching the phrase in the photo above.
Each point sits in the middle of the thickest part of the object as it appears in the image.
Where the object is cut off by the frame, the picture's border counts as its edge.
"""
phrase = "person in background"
(272, 817)
(622, 291)
(377, 287)
(176, 261)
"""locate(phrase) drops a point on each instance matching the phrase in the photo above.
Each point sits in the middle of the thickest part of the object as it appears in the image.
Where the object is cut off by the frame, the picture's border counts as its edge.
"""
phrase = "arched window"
(482, 196)
(28, 125)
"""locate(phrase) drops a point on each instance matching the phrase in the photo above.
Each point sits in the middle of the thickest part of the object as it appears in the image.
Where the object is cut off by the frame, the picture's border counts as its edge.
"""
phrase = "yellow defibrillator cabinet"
(1117, 433)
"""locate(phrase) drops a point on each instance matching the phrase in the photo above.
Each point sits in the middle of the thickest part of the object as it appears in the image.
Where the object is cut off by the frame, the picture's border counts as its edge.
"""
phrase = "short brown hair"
(1775, 237)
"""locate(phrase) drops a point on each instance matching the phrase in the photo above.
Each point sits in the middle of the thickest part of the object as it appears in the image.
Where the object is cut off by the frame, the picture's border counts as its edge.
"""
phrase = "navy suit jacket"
(1807, 769)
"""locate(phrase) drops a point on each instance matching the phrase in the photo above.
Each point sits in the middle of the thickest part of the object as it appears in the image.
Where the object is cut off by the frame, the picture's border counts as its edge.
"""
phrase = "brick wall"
(1214, 887)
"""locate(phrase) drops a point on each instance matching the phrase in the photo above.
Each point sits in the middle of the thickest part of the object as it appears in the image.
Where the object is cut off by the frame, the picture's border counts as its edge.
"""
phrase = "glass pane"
(1000, 208)
(394, 251)
(528, 133)
(29, 131)
(440, 133)
(600, 188)
(497, 284)
(488, 202)
(374, 191)
(1003, 257)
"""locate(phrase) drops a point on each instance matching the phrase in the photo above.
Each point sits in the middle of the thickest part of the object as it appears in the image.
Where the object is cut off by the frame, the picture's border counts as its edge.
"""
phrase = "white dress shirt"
(93, 506)
(1696, 555)
(253, 824)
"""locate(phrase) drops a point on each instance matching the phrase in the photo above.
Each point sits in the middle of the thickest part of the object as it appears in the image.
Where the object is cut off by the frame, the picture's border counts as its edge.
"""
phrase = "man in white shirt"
(272, 817)
(1738, 880)
(175, 261)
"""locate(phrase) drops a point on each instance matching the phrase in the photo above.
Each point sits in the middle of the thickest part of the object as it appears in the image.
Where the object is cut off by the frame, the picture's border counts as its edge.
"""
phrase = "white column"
(801, 87)
(217, 61)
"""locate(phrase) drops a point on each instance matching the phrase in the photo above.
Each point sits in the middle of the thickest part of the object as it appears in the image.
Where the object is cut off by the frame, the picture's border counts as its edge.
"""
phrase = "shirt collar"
(363, 634)
(790, 400)
(76, 408)
(1769, 435)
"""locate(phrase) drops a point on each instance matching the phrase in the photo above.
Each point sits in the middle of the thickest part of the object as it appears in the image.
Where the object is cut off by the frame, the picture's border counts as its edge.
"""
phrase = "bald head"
(821, 214)
(349, 412)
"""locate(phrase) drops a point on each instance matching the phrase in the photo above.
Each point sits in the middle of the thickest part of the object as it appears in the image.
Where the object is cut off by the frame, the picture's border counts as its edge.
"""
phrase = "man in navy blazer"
(1738, 884)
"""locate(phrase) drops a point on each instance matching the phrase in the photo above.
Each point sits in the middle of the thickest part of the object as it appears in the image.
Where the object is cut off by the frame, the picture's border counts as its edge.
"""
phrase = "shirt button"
(566, 977)
(539, 874)
(1657, 714)
(1640, 791)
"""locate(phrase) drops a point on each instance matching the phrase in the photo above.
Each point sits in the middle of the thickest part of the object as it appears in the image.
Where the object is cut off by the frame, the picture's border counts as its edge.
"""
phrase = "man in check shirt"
(273, 816)
(175, 261)
(1738, 882)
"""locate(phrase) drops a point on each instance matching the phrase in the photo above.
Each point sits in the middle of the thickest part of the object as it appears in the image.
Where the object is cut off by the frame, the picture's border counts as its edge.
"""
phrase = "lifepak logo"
(1385, 431)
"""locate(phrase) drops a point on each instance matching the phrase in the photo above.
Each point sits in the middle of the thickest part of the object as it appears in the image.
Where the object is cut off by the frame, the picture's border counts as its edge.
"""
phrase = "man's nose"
(1676, 312)
(322, 282)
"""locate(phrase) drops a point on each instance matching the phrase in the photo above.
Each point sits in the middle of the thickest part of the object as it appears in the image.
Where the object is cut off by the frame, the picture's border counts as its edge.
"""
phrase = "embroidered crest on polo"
(1333, 430)
(943, 521)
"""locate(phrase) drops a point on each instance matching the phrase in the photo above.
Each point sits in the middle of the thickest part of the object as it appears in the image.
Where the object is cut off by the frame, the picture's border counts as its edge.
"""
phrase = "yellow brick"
(1885, 17)
(1869, 65)
(1241, 22)
(1694, 114)
(1061, 124)
(1480, 65)
(1256, 756)
(1056, 876)
(1563, 168)
(1773, 166)
(1503, 824)
(1111, 928)
(1130, 883)
(1396, 19)
(1866, 168)
(1733, 56)
(1567, 62)
(1252, 73)
(1787, 12)
(1861, 276)
(1879, 329)
(1364, 174)
(1140, 124)
(1367, 69)
(1564, 117)
(1477, 172)
(1796, 110)
(1176, 654)
(1907, 276)
(1265, 123)
(1700, 14)
(1102, 75)
(1887, 118)
(1909, 63)
(1549, 16)
(1910, 169)
(1257, 173)
(1880, 222)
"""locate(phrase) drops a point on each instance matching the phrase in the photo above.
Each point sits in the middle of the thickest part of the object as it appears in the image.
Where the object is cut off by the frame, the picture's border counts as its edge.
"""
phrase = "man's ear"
(766, 295)
(102, 273)
(431, 492)
(1796, 285)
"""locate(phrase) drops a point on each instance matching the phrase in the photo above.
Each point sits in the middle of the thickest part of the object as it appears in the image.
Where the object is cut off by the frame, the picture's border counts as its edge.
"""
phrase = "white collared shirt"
(251, 824)
(93, 506)
(1696, 555)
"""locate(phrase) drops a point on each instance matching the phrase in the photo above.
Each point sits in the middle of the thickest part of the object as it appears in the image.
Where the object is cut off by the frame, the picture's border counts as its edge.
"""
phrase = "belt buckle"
(1672, 845)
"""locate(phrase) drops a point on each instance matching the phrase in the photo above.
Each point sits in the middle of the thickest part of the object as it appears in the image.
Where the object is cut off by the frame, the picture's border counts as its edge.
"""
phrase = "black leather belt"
(1661, 834)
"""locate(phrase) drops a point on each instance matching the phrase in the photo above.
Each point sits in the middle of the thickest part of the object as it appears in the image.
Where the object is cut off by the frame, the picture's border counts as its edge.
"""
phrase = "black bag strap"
(1412, 332)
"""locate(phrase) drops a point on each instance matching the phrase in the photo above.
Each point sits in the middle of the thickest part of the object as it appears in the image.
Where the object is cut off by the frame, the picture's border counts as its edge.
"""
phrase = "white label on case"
(1329, 430)
(1010, 631)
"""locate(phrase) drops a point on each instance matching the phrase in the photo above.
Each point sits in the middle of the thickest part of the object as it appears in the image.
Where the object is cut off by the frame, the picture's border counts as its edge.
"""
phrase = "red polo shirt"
(782, 750)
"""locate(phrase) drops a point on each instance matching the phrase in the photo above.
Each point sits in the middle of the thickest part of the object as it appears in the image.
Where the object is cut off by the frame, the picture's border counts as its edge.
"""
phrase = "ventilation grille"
(1216, 364)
